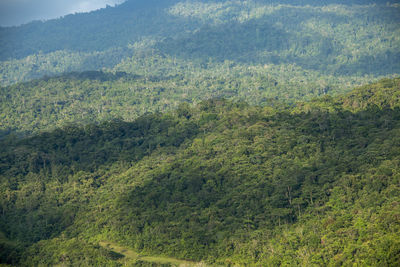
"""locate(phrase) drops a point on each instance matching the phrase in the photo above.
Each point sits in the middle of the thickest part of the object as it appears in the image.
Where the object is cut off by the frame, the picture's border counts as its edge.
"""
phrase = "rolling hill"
(203, 133)
(219, 182)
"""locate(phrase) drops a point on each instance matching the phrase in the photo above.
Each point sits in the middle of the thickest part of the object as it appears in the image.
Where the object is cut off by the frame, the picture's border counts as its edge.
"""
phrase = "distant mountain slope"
(332, 37)
(222, 182)
(124, 24)
(94, 31)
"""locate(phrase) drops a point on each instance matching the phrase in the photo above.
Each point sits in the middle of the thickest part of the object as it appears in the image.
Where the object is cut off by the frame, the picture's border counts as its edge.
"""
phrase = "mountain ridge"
(330, 38)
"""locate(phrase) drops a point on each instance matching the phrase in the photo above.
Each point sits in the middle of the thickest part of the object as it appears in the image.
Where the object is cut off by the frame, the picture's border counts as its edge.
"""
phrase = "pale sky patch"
(16, 12)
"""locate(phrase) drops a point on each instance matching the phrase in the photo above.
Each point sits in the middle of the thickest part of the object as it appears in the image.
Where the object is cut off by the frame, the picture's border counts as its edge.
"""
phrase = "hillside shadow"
(74, 156)
(207, 201)
(260, 40)
(89, 147)
(195, 190)
(231, 41)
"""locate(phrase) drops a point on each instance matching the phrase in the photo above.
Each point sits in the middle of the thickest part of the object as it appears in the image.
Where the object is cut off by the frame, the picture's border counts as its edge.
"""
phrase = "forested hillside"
(222, 182)
(329, 37)
(85, 97)
(203, 133)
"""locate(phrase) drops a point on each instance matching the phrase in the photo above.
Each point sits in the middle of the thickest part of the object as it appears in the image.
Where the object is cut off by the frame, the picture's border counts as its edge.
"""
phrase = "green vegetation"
(334, 39)
(97, 96)
(132, 255)
(40, 65)
(222, 182)
(197, 133)
(329, 37)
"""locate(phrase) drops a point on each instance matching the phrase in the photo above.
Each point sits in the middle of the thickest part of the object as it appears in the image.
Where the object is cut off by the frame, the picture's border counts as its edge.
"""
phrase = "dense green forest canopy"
(221, 132)
(222, 182)
(92, 96)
